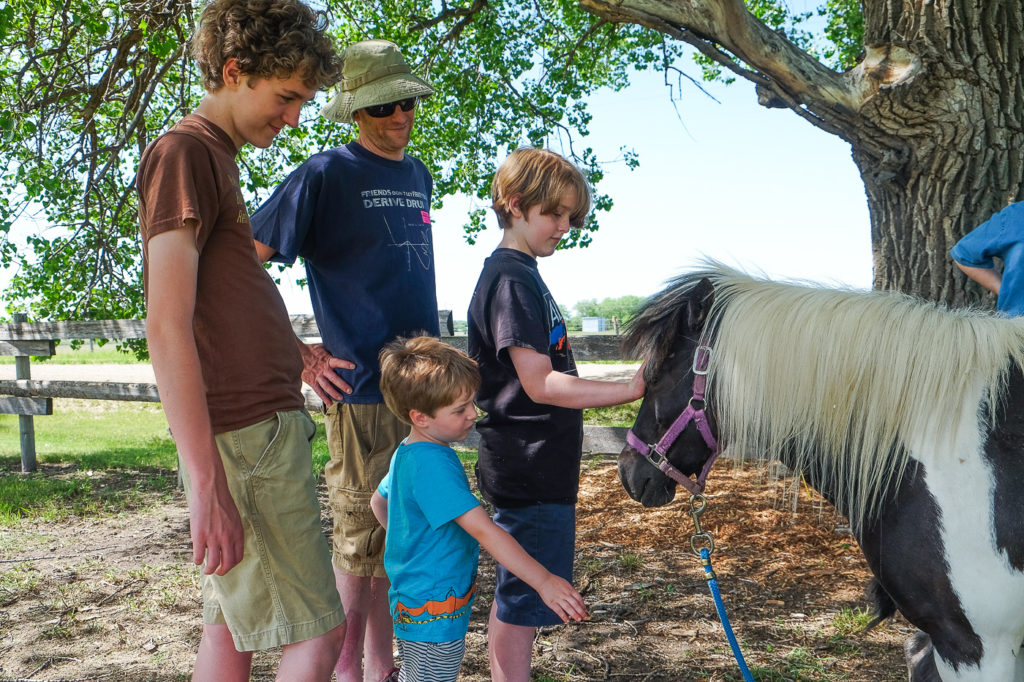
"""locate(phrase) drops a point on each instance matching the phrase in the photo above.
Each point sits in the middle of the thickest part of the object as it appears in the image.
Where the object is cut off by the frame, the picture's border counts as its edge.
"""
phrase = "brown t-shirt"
(251, 365)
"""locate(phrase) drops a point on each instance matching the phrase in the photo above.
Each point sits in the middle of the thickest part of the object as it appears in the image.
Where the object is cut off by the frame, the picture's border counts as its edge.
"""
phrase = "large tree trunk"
(933, 114)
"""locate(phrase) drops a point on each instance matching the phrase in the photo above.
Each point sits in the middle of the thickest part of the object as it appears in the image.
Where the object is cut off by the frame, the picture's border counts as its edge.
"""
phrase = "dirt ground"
(115, 598)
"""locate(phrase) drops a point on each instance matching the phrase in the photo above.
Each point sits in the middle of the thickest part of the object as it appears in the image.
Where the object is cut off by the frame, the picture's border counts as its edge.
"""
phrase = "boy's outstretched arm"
(215, 524)
(544, 385)
(556, 592)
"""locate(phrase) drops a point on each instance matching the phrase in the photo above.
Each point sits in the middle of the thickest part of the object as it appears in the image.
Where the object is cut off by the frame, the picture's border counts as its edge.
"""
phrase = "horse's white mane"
(845, 381)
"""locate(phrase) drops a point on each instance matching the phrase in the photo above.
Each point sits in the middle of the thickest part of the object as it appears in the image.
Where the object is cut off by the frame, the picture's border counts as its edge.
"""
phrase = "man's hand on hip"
(318, 372)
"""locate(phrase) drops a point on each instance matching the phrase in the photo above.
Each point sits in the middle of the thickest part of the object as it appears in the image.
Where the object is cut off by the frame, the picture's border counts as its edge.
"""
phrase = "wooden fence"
(28, 398)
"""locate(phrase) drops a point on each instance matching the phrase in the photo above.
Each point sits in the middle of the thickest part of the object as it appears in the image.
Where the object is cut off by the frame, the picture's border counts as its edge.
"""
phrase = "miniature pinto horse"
(907, 416)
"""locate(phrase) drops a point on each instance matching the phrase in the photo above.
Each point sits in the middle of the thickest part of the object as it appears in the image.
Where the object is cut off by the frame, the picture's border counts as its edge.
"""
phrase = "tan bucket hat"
(374, 72)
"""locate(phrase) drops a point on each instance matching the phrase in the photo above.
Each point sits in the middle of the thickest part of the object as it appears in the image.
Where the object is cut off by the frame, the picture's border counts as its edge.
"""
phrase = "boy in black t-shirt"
(531, 439)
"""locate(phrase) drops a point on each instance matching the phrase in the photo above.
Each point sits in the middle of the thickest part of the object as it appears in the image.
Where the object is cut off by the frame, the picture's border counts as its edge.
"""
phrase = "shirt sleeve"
(992, 238)
(285, 221)
(384, 487)
(517, 318)
(179, 184)
(441, 490)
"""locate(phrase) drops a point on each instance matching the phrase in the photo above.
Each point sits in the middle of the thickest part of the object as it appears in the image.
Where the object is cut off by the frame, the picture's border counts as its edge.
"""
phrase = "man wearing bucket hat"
(359, 215)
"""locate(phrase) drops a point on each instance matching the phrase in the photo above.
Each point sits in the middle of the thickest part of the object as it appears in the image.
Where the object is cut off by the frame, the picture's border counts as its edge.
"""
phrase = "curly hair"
(268, 38)
(424, 374)
(539, 177)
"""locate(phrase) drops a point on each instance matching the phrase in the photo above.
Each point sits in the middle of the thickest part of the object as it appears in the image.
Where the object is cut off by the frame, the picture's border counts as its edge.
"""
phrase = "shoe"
(392, 676)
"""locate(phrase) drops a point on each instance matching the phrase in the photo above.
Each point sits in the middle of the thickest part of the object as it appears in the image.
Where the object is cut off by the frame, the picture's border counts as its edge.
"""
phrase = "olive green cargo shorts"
(283, 590)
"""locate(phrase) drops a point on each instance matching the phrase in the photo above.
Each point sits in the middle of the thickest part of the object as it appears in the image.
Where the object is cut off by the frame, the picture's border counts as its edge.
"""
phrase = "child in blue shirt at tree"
(531, 439)
(998, 237)
(435, 524)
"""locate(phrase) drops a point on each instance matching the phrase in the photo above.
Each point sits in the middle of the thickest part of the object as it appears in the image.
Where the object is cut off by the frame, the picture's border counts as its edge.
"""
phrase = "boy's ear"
(232, 74)
(514, 207)
(419, 419)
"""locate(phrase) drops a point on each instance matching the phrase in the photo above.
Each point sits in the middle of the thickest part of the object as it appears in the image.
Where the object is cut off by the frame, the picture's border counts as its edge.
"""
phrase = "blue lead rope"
(698, 503)
(705, 560)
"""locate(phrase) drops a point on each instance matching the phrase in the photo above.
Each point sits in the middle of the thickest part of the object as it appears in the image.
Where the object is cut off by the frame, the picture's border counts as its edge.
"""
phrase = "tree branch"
(773, 60)
(446, 13)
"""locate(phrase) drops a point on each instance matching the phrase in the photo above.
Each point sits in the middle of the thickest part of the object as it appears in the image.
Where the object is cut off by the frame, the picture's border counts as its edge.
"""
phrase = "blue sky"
(755, 188)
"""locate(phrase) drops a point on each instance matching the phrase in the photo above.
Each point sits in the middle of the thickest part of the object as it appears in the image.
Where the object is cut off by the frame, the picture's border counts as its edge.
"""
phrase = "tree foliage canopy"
(84, 87)
(623, 307)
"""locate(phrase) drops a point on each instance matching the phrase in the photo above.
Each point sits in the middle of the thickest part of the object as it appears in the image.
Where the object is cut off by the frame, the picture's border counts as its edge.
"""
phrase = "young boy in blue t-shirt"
(435, 524)
(531, 440)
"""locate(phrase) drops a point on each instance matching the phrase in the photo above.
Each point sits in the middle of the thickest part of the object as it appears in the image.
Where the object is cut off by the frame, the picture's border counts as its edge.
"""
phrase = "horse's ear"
(699, 304)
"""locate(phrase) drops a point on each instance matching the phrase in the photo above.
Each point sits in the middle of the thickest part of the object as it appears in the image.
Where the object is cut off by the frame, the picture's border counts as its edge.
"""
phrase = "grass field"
(107, 354)
(88, 441)
(88, 445)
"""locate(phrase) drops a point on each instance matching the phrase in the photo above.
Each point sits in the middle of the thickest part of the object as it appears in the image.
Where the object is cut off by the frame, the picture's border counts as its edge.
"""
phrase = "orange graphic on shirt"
(436, 608)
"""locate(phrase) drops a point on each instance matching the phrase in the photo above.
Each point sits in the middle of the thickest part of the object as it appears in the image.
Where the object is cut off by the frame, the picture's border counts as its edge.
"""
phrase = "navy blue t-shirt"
(362, 224)
(529, 452)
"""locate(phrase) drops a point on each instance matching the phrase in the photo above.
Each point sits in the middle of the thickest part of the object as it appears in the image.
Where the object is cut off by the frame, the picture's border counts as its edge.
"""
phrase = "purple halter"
(655, 454)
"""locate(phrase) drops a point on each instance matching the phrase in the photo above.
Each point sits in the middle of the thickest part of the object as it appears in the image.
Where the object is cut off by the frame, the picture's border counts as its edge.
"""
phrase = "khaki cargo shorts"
(361, 439)
(283, 590)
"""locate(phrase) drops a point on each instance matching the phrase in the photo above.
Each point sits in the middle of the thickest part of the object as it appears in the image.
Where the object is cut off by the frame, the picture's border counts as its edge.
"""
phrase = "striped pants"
(430, 661)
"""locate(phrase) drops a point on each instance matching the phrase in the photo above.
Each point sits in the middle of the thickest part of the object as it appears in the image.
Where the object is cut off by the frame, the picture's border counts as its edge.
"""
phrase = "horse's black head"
(667, 331)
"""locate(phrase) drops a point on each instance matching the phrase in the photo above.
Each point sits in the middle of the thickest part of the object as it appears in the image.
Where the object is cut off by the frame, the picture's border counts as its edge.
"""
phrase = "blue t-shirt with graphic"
(430, 560)
(362, 224)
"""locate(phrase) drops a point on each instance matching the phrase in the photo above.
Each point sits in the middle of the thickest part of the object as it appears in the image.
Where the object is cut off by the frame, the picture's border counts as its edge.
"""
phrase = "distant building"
(593, 325)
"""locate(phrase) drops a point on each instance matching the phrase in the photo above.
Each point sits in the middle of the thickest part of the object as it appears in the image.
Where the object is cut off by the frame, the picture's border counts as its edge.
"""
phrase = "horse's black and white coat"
(907, 416)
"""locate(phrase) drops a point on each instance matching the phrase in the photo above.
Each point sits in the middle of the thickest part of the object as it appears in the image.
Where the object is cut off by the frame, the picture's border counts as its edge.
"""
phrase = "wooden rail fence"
(28, 398)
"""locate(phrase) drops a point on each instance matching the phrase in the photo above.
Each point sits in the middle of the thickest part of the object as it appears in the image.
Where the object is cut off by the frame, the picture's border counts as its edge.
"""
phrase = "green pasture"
(107, 354)
(109, 457)
(95, 456)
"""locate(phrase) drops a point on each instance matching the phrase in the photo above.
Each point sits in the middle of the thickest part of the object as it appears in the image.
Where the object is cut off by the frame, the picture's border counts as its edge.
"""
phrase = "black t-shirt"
(529, 452)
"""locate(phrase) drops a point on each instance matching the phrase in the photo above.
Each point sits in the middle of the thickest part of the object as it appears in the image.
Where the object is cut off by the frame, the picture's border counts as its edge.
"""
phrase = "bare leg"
(311, 659)
(368, 634)
(218, 660)
(379, 642)
(509, 648)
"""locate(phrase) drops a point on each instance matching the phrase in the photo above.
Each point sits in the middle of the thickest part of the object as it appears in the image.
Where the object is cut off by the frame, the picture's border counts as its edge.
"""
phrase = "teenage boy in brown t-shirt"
(224, 354)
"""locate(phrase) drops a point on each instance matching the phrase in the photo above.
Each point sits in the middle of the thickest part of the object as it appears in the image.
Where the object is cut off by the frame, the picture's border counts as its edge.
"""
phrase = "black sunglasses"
(385, 110)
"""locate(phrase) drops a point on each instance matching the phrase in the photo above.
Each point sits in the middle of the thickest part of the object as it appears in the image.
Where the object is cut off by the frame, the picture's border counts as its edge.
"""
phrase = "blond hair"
(424, 374)
(268, 38)
(538, 177)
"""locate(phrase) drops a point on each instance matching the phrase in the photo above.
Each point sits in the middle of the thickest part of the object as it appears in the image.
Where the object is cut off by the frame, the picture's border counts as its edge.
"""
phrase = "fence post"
(26, 427)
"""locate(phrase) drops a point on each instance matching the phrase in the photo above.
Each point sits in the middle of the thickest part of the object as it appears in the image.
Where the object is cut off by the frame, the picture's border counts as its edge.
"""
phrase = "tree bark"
(933, 114)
